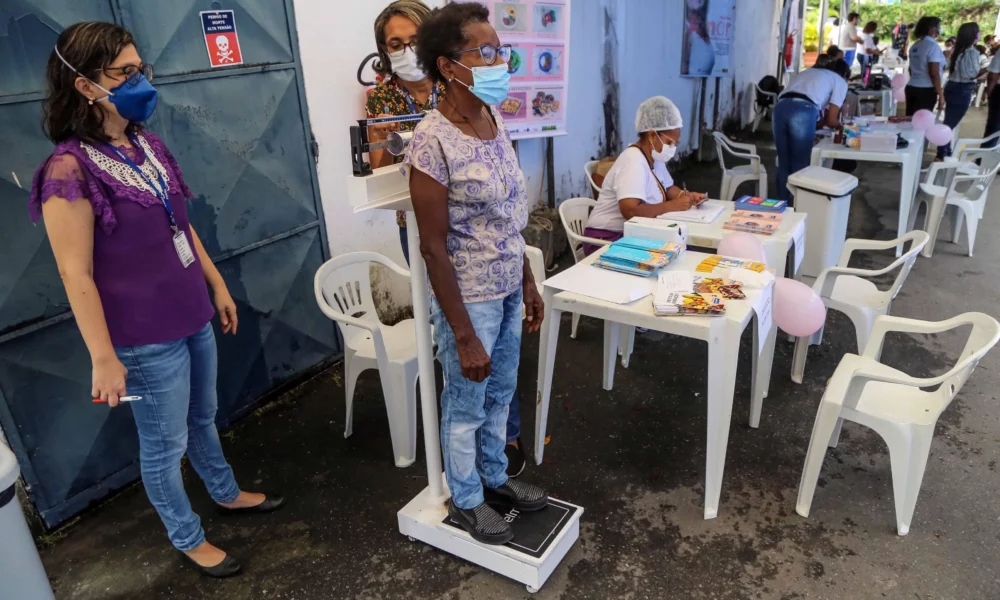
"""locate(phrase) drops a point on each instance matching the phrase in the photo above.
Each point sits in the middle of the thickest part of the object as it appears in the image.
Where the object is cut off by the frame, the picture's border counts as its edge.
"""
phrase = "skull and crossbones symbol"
(225, 53)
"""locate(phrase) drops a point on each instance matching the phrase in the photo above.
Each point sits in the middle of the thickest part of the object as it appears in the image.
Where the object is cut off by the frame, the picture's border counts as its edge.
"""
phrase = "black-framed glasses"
(131, 73)
(396, 49)
(490, 53)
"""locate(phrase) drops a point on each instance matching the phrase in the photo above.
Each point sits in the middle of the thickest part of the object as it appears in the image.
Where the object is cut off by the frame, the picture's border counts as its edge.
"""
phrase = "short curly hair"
(443, 34)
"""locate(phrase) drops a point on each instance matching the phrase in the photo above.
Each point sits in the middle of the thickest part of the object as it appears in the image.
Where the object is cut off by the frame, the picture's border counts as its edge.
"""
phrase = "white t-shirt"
(629, 177)
(847, 33)
(819, 85)
(869, 43)
(925, 51)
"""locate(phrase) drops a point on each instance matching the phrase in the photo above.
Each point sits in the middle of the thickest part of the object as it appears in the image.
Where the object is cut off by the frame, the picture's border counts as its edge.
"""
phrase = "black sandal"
(229, 567)
(271, 503)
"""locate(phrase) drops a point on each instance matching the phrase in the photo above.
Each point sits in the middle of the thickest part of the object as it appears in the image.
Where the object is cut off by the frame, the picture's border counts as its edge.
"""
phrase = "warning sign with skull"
(221, 40)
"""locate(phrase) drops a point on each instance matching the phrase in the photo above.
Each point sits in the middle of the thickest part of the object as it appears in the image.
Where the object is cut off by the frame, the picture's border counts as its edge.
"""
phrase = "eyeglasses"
(490, 53)
(131, 73)
(396, 48)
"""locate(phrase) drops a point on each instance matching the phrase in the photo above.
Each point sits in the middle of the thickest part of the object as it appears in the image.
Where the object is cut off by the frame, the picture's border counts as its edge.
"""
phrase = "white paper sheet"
(706, 212)
(602, 284)
(763, 302)
(799, 239)
(675, 281)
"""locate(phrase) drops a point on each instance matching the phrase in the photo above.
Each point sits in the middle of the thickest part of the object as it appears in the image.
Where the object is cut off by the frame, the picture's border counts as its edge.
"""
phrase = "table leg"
(612, 333)
(911, 172)
(761, 371)
(722, 360)
(548, 339)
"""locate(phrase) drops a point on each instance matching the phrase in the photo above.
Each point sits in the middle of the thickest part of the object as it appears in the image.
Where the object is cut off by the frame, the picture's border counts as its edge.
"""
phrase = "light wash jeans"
(176, 415)
(794, 125)
(474, 415)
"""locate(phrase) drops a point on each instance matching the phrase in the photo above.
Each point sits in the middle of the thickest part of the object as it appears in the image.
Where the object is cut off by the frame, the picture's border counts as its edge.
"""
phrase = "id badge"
(183, 249)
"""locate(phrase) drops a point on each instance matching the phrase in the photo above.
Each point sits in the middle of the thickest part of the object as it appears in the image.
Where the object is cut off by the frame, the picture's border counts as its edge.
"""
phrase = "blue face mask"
(134, 100)
(489, 84)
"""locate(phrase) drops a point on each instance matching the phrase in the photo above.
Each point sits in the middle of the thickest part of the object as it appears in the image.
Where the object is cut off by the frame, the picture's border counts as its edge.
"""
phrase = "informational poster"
(538, 31)
(707, 34)
(219, 27)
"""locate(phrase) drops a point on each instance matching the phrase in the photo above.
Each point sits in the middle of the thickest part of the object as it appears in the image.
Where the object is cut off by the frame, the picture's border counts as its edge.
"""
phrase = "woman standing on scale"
(470, 201)
(135, 273)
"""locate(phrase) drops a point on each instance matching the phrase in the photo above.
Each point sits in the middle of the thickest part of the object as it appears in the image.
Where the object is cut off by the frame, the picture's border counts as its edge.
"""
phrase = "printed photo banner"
(707, 34)
(538, 31)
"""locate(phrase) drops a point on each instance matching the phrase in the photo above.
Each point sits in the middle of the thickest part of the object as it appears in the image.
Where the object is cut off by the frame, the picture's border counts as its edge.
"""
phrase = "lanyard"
(659, 183)
(413, 105)
(161, 191)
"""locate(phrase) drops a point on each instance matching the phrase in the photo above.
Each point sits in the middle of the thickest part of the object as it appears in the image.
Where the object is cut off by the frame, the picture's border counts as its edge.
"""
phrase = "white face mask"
(666, 153)
(404, 65)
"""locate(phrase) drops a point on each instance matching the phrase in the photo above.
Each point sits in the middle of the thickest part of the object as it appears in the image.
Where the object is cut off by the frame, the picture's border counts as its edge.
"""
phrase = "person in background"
(814, 93)
(949, 47)
(850, 41)
(471, 204)
(869, 48)
(900, 38)
(639, 185)
(697, 53)
(993, 107)
(927, 63)
(137, 275)
(984, 56)
(963, 73)
(835, 32)
(833, 53)
(404, 88)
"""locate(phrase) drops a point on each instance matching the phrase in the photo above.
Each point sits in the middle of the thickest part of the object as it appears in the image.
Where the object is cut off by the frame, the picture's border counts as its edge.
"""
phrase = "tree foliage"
(951, 12)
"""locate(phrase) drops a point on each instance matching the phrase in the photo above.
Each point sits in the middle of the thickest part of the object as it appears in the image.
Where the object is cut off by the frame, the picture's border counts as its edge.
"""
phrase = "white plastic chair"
(894, 404)
(343, 292)
(850, 291)
(964, 145)
(765, 108)
(732, 177)
(589, 167)
(966, 192)
(574, 213)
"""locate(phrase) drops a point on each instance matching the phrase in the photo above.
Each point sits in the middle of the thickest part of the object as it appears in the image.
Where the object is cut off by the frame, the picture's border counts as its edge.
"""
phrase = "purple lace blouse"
(147, 294)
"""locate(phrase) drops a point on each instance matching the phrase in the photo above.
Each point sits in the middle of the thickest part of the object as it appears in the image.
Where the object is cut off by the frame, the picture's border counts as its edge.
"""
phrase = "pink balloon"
(922, 119)
(798, 310)
(939, 134)
(741, 244)
(899, 81)
(899, 95)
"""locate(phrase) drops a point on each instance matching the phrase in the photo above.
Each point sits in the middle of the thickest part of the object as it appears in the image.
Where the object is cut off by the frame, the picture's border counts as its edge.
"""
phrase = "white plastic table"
(791, 234)
(722, 334)
(909, 158)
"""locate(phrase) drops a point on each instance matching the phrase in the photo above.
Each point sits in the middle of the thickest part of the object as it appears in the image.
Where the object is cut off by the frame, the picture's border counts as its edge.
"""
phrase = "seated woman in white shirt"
(638, 185)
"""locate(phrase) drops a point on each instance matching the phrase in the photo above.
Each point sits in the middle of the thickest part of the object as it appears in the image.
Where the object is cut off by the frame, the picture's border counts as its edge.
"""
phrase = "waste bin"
(825, 196)
(21, 573)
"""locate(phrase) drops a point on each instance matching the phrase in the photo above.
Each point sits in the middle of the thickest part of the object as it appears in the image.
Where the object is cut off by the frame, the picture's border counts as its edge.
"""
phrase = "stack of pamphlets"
(678, 293)
(760, 204)
(637, 256)
(725, 262)
(759, 222)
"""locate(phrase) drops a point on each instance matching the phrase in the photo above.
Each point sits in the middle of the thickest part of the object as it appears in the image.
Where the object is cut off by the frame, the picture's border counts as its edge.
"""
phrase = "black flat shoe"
(483, 523)
(519, 494)
(271, 503)
(229, 567)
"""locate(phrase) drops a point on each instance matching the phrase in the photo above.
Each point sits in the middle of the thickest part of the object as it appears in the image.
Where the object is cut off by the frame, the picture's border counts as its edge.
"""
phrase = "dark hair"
(950, 40)
(870, 27)
(91, 47)
(838, 66)
(988, 37)
(414, 10)
(852, 16)
(443, 33)
(924, 26)
(981, 48)
(966, 38)
(833, 50)
(836, 21)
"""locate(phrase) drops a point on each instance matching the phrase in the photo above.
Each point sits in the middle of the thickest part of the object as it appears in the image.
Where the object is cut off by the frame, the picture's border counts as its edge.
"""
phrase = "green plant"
(951, 12)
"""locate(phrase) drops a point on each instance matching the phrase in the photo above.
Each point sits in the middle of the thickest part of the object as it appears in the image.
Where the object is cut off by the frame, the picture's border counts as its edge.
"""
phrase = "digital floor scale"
(542, 538)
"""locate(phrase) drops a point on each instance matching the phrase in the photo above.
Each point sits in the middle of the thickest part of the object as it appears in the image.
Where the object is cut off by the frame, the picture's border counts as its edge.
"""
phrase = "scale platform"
(541, 539)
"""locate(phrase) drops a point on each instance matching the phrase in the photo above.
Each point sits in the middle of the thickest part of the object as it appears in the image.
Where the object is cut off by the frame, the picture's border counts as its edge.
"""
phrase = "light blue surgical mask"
(489, 84)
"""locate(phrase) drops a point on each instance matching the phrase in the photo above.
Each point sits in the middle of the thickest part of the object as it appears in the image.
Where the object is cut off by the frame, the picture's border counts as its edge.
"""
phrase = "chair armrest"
(743, 146)
(588, 240)
(853, 244)
(348, 320)
(828, 278)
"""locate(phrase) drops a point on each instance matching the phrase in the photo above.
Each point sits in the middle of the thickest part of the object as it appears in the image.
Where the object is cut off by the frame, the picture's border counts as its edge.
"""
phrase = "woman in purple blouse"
(135, 272)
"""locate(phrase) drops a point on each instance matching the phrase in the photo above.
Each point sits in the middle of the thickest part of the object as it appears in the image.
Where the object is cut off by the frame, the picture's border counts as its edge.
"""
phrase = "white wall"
(635, 41)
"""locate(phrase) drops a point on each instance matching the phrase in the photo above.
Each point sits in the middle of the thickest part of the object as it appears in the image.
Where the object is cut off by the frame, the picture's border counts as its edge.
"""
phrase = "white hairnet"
(658, 114)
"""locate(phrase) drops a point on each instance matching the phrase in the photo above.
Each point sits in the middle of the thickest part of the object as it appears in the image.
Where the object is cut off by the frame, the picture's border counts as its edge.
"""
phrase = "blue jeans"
(474, 415)
(794, 125)
(957, 99)
(176, 415)
(849, 56)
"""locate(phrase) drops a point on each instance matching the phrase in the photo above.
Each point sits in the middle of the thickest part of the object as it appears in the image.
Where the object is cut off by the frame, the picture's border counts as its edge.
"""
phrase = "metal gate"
(241, 135)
